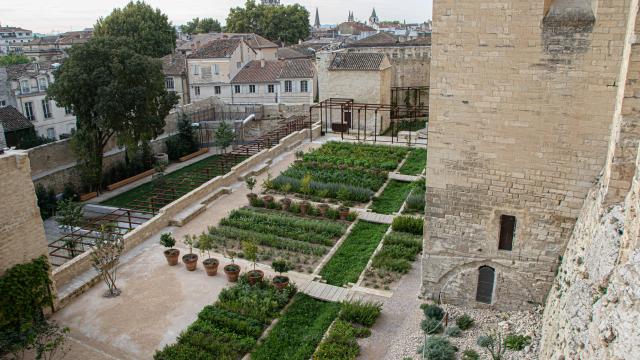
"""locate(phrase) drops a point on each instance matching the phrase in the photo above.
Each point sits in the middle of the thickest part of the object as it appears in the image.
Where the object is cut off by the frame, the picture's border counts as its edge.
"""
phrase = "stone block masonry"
(21, 230)
(521, 104)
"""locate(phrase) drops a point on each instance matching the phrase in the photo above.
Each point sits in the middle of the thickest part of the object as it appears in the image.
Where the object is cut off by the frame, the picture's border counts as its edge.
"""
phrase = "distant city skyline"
(64, 15)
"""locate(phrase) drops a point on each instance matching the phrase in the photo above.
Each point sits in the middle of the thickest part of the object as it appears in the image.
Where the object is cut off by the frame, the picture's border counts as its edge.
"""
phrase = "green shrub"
(269, 240)
(340, 343)
(231, 321)
(438, 348)
(408, 224)
(517, 342)
(392, 198)
(432, 311)
(416, 162)
(431, 326)
(415, 202)
(360, 312)
(470, 354)
(465, 322)
(453, 331)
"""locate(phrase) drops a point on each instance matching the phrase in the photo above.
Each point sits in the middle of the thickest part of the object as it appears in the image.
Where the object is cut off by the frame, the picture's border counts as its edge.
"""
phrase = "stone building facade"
(21, 230)
(521, 101)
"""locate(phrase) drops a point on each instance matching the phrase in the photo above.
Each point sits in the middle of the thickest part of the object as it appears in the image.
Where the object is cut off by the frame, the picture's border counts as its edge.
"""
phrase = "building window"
(236, 89)
(252, 89)
(42, 84)
(216, 69)
(288, 86)
(168, 83)
(51, 133)
(486, 280)
(28, 111)
(3, 103)
(217, 90)
(196, 89)
(46, 109)
(507, 232)
(304, 86)
(271, 89)
(195, 69)
(68, 111)
(24, 86)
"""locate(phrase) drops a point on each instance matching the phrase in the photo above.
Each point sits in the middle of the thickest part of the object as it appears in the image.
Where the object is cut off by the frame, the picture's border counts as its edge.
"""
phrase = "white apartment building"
(13, 38)
(29, 83)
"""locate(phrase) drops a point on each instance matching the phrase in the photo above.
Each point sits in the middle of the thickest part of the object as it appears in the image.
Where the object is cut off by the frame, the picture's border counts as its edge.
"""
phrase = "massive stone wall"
(520, 109)
(21, 231)
(593, 309)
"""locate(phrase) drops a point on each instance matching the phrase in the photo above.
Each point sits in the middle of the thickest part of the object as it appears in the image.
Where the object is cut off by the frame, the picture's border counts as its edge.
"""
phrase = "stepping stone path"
(403, 178)
(376, 218)
(325, 292)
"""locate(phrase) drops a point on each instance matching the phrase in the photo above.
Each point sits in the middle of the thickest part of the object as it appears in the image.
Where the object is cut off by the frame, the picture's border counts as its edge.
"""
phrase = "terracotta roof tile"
(13, 120)
(356, 62)
(174, 64)
(222, 48)
(254, 72)
(298, 69)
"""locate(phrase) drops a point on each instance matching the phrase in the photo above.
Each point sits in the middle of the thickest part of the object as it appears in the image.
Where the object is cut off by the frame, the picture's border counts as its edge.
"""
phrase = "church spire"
(373, 20)
(350, 18)
(317, 22)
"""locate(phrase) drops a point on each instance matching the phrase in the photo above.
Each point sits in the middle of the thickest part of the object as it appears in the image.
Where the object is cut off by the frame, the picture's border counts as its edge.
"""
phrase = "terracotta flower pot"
(323, 209)
(281, 282)
(344, 212)
(267, 199)
(172, 256)
(211, 266)
(232, 271)
(190, 261)
(252, 197)
(255, 276)
(304, 207)
(286, 202)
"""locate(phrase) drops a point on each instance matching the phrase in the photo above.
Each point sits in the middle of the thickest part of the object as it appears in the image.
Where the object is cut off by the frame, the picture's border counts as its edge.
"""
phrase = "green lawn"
(191, 176)
(416, 162)
(392, 198)
(349, 261)
(299, 330)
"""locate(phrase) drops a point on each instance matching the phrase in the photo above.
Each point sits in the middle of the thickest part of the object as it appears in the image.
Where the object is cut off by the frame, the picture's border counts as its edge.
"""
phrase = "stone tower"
(522, 97)
(316, 24)
(271, 2)
(350, 18)
(373, 19)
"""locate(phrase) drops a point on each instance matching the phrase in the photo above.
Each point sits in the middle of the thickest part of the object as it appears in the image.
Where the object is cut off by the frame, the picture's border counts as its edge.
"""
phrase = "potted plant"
(251, 183)
(171, 254)
(268, 199)
(281, 266)
(205, 243)
(304, 207)
(231, 270)
(190, 260)
(344, 212)
(250, 250)
(286, 202)
(322, 208)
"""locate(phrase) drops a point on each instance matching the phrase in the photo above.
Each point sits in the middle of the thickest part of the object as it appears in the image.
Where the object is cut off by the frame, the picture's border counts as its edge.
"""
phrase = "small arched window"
(486, 280)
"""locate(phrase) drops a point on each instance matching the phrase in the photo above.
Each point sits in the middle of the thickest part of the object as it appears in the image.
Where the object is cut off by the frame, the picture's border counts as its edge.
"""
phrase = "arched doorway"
(486, 280)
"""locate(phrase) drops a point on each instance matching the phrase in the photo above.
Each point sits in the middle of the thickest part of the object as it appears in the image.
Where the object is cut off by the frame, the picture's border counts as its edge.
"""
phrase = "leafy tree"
(113, 91)
(224, 135)
(286, 23)
(201, 26)
(13, 59)
(150, 30)
(105, 257)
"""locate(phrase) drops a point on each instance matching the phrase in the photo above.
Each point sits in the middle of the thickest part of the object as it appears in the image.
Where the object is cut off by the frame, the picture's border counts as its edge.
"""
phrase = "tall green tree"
(201, 26)
(13, 59)
(286, 23)
(114, 91)
(150, 30)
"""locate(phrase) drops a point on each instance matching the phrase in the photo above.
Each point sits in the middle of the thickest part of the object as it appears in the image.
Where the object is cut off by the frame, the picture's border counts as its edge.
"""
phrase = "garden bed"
(231, 327)
(399, 250)
(302, 241)
(416, 201)
(346, 265)
(343, 171)
(416, 162)
(189, 177)
(299, 330)
(392, 198)
(130, 180)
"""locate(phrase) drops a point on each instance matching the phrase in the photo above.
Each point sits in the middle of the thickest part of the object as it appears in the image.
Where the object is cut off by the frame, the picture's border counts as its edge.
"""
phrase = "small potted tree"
(281, 266)
(344, 212)
(171, 254)
(205, 243)
(251, 183)
(190, 260)
(231, 270)
(322, 208)
(286, 202)
(251, 253)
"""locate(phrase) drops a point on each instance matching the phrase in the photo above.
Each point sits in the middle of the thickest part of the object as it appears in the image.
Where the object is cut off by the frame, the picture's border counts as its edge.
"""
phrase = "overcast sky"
(45, 16)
